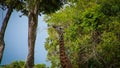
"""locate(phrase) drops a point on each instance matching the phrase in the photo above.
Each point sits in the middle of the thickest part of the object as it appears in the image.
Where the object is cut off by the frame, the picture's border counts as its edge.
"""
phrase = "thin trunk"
(32, 21)
(2, 32)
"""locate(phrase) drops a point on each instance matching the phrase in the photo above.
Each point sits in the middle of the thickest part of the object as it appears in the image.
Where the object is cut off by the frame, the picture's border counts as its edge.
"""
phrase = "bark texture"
(32, 22)
(2, 32)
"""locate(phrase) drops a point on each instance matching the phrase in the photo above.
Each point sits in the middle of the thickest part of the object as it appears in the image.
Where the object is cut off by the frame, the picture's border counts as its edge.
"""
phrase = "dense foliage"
(92, 34)
(20, 64)
(91, 31)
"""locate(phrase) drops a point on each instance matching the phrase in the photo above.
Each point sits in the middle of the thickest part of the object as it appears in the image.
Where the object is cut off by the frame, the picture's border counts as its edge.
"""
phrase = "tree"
(40, 66)
(91, 38)
(15, 64)
(20, 64)
(34, 8)
(10, 5)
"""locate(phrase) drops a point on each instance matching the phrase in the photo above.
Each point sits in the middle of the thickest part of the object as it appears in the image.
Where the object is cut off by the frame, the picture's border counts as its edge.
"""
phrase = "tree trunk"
(32, 21)
(2, 32)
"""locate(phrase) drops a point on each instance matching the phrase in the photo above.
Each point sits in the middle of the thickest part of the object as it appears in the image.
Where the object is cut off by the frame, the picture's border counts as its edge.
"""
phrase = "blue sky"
(16, 39)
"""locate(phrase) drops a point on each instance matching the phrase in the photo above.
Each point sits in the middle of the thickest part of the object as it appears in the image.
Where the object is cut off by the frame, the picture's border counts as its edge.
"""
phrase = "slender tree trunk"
(2, 32)
(32, 21)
